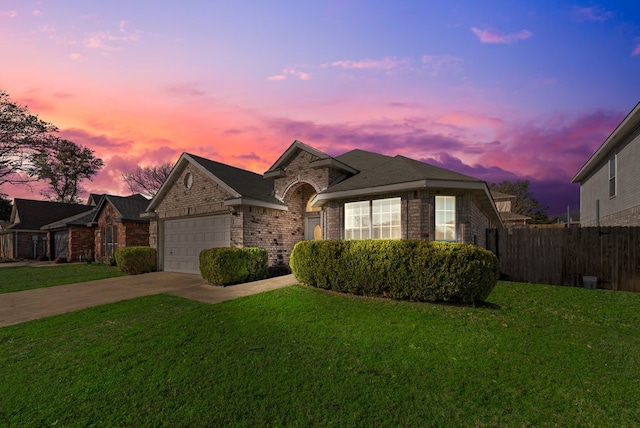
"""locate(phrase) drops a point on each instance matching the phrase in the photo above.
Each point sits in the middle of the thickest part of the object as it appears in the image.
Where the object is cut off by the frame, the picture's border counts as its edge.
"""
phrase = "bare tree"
(63, 166)
(147, 180)
(21, 135)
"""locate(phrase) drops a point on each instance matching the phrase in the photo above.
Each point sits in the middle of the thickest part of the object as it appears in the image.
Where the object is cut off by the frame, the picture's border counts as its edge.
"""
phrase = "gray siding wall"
(624, 208)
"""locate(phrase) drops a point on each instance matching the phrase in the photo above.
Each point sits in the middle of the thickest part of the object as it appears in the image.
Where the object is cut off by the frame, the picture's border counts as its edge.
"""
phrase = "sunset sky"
(500, 90)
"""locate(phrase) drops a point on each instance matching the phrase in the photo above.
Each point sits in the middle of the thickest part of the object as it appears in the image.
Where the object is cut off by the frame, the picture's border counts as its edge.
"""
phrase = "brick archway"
(300, 214)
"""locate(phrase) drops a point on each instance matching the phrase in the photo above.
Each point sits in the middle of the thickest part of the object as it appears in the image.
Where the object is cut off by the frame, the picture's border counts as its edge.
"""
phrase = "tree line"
(31, 150)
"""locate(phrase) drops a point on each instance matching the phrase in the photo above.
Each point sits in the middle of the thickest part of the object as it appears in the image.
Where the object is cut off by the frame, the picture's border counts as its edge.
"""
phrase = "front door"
(312, 229)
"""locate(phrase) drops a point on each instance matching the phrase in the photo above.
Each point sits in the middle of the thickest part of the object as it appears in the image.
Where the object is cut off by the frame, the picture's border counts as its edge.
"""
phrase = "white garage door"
(184, 239)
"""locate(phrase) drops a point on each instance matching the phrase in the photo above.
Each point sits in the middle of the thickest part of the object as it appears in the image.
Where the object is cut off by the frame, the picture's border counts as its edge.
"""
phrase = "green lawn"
(541, 356)
(28, 277)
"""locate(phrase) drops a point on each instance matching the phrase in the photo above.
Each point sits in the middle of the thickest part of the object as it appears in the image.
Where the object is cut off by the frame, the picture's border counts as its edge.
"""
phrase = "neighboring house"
(117, 223)
(111, 222)
(71, 238)
(23, 238)
(504, 204)
(308, 194)
(610, 179)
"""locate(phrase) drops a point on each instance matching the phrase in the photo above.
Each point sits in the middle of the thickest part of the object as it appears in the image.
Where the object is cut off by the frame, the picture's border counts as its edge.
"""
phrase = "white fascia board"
(166, 185)
(254, 203)
(389, 188)
(149, 214)
(630, 122)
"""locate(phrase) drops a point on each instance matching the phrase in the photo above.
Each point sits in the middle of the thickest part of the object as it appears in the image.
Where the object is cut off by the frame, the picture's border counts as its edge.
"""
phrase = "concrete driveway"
(43, 302)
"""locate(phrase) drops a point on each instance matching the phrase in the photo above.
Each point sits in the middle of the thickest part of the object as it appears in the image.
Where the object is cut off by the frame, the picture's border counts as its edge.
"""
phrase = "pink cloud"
(636, 51)
(290, 72)
(489, 35)
(35, 104)
(8, 13)
(85, 138)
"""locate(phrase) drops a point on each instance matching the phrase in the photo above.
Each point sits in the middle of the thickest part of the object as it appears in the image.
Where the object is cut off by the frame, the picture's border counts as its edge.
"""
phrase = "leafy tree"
(147, 180)
(525, 203)
(21, 134)
(5, 208)
(64, 165)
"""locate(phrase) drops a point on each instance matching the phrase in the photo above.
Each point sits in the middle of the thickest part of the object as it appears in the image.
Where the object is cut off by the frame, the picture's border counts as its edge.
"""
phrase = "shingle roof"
(362, 160)
(129, 208)
(499, 195)
(379, 170)
(246, 183)
(81, 219)
(32, 215)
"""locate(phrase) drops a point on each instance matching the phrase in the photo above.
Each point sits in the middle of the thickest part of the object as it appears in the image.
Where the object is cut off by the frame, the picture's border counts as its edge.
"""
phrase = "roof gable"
(288, 154)
(630, 123)
(128, 208)
(323, 160)
(239, 183)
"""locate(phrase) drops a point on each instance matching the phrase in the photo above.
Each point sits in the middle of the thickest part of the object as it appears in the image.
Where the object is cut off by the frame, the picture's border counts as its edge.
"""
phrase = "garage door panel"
(185, 238)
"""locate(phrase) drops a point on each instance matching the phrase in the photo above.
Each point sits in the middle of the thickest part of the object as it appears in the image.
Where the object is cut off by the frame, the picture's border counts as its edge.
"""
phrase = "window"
(377, 219)
(612, 176)
(446, 218)
(109, 237)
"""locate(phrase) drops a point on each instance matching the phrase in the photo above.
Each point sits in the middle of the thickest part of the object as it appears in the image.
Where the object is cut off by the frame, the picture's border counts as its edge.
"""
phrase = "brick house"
(70, 238)
(112, 221)
(23, 238)
(504, 204)
(116, 222)
(308, 194)
(609, 180)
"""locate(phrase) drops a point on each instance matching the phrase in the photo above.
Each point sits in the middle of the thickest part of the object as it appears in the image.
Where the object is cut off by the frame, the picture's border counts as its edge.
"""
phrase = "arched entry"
(298, 199)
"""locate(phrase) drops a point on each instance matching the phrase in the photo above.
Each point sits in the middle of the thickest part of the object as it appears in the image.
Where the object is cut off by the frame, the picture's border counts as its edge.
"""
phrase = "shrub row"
(223, 266)
(401, 269)
(136, 260)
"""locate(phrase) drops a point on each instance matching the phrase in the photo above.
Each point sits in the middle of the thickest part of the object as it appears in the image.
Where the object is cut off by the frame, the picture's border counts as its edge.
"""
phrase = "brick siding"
(129, 233)
(418, 216)
(628, 217)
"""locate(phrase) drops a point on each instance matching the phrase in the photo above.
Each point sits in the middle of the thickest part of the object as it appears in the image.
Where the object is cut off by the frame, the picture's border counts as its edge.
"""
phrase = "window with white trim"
(375, 219)
(446, 218)
(612, 175)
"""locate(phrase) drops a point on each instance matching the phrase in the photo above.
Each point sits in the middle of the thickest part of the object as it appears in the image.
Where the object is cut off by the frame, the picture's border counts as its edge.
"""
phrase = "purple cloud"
(84, 138)
(489, 35)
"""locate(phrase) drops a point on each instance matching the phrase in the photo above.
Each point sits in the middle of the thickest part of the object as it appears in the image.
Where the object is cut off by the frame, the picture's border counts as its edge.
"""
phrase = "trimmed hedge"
(223, 266)
(136, 260)
(401, 269)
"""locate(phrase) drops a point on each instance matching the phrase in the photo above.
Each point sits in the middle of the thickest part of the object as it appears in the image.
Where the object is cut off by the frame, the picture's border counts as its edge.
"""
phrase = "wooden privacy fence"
(564, 256)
